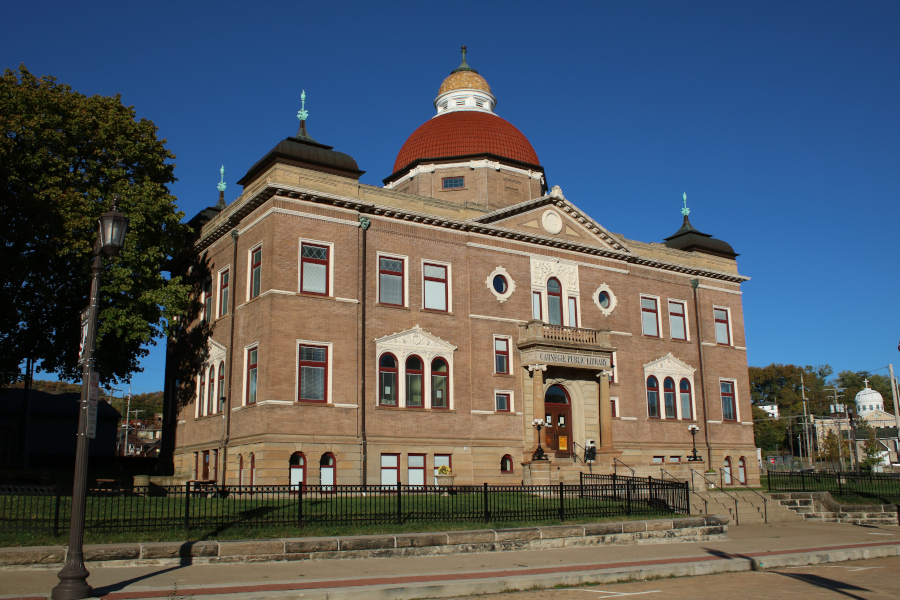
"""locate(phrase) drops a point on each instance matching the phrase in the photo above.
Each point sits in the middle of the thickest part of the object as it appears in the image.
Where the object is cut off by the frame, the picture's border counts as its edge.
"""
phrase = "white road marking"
(614, 594)
(879, 534)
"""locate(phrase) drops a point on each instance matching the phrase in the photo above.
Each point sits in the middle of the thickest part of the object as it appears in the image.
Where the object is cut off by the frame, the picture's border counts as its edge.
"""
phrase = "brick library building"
(465, 315)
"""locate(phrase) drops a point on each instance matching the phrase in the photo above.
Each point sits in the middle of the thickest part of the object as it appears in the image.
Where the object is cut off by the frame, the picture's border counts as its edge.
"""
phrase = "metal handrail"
(764, 499)
(617, 461)
(737, 520)
(662, 475)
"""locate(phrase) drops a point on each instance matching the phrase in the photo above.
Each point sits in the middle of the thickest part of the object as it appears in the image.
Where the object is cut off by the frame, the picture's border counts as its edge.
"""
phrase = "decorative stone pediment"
(415, 341)
(567, 273)
(669, 365)
(215, 352)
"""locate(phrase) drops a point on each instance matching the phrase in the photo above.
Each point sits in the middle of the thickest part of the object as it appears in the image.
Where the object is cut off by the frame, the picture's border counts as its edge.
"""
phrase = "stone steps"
(751, 508)
(820, 507)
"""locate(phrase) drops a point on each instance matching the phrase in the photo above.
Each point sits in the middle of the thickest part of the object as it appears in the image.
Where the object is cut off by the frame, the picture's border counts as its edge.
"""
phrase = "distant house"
(52, 429)
(771, 410)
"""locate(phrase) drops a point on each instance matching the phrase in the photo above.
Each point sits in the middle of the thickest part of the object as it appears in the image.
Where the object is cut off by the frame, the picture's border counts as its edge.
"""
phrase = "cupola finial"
(221, 185)
(302, 114)
(685, 211)
(463, 66)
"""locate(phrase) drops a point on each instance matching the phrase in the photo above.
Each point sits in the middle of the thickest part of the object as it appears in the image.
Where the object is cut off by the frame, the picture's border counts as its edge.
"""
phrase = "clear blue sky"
(779, 119)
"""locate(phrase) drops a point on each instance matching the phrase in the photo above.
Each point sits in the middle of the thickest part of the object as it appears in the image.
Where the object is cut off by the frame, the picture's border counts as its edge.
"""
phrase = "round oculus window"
(500, 284)
(603, 299)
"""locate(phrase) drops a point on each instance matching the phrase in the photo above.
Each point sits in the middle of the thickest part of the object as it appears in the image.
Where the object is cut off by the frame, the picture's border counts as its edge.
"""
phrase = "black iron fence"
(866, 485)
(47, 508)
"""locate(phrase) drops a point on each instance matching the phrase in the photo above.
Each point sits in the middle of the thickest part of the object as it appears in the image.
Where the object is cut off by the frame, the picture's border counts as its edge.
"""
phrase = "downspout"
(227, 404)
(364, 224)
(695, 283)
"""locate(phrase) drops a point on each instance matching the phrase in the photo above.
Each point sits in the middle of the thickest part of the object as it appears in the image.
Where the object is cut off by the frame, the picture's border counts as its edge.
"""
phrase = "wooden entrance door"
(558, 421)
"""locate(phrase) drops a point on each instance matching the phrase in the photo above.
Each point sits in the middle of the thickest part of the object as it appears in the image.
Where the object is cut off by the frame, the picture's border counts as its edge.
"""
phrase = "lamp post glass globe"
(113, 225)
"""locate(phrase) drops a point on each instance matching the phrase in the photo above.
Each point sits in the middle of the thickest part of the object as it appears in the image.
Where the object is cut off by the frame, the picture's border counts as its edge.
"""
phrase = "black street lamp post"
(539, 453)
(694, 457)
(73, 583)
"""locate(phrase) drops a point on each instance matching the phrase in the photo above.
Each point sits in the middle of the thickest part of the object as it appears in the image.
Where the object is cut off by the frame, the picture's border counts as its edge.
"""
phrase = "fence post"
(581, 484)
(56, 502)
(487, 514)
(769, 481)
(187, 505)
(399, 506)
(628, 496)
(562, 508)
(300, 505)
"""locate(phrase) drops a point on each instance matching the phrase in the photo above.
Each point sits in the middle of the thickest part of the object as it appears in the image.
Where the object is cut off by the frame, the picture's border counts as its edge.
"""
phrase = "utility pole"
(896, 410)
(805, 425)
(838, 408)
(127, 416)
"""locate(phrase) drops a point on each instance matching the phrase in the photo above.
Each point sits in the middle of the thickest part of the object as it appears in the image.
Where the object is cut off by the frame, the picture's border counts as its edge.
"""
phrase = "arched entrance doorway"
(558, 421)
(297, 471)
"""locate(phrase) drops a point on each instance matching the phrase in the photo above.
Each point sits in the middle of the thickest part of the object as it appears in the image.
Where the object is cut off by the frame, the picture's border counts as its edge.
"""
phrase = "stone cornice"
(229, 219)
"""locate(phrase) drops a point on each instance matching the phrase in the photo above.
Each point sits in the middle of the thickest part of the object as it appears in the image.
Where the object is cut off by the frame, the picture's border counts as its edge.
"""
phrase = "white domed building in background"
(868, 400)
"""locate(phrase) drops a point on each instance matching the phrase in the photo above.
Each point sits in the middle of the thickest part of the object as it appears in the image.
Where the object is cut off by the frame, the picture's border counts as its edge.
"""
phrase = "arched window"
(742, 470)
(556, 394)
(414, 382)
(327, 471)
(652, 397)
(240, 469)
(726, 471)
(297, 474)
(687, 411)
(221, 388)
(211, 393)
(669, 397)
(440, 384)
(202, 395)
(252, 469)
(387, 385)
(554, 301)
(506, 464)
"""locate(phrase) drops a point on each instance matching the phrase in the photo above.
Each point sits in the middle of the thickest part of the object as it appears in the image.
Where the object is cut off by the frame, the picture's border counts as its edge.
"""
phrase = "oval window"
(603, 299)
(500, 284)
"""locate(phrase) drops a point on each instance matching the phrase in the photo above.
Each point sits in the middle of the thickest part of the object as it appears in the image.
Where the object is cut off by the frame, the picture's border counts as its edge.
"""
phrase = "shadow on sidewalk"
(825, 583)
(116, 587)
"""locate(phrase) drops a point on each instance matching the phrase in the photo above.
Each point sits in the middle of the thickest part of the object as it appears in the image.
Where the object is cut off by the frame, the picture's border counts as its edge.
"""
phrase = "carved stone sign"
(567, 359)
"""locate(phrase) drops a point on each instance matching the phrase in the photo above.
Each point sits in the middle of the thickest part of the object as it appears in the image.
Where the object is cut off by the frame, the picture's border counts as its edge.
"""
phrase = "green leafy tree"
(870, 446)
(63, 156)
(780, 384)
(834, 447)
(768, 432)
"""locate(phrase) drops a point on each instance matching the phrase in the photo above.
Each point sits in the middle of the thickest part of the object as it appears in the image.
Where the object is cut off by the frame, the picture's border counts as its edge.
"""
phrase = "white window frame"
(329, 397)
(659, 328)
(727, 310)
(449, 268)
(612, 299)
(401, 356)
(219, 288)
(676, 372)
(510, 284)
(687, 328)
(250, 252)
(509, 354)
(329, 291)
(615, 367)
(615, 401)
(205, 314)
(737, 410)
(406, 267)
(244, 389)
(512, 401)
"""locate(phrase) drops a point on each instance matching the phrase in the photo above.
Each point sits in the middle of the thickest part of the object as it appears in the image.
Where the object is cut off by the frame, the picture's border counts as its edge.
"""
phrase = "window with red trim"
(649, 317)
(652, 397)
(314, 269)
(223, 292)
(255, 271)
(390, 280)
(669, 397)
(211, 393)
(442, 460)
(207, 302)
(729, 412)
(387, 376)
(506, 464)
(723, 333)
(313, 373)
(554, 301)
(202, 396)
(415, 469)
(435, 286)
(390, 469)
(501, 356)
(502, 402)
(687, 407)
(440, 384)
(414, 375)
(536, 312)
(252, 374)
(677, 330)
(221, 387)
(614, 412)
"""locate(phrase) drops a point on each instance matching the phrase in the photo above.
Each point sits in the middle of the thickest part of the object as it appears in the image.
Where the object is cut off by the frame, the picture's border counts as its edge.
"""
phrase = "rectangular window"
(435, 286)
(453, 183)
(314, 269)
(415, 469)
(649, 317)
(536, 306)
(390, 469)
(255, 271)
(723, 333)
(677, 329)
(207, 302)
(674, 459)
(502, 402)
(573, 313)
(442, 460)
(252, 370)
(501, 356)
(223, 293)
(390, 280)
(313, 370)
(615, 407)
(658, 460)
(729, 410)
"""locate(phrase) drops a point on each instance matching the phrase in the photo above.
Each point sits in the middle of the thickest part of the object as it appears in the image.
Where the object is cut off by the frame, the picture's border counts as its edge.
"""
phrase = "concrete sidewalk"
(749, 547)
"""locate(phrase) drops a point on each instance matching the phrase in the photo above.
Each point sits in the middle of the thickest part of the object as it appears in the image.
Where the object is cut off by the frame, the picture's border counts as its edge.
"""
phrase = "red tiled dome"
(465, 132)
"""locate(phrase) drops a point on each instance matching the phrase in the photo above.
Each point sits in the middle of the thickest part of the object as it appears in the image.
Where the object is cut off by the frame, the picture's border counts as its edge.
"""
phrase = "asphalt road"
(864, 579)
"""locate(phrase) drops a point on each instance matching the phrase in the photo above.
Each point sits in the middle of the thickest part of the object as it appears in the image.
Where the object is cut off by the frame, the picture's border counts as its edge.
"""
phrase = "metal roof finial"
(302, 114)
(685, 211)
(463, 66)
(221, 185)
